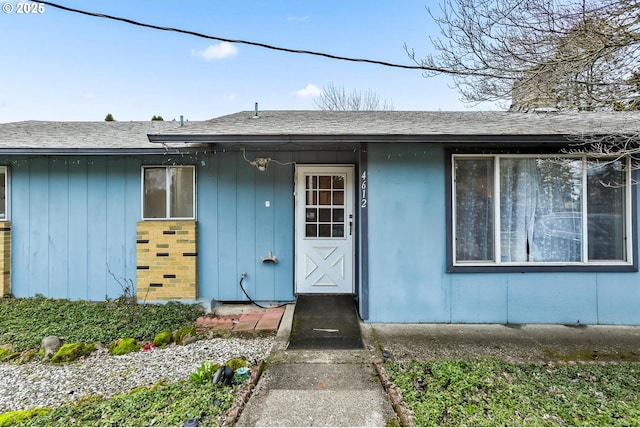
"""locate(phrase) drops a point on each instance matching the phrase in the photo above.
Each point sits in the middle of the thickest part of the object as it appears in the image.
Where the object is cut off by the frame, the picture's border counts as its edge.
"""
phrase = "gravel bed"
(38, 384)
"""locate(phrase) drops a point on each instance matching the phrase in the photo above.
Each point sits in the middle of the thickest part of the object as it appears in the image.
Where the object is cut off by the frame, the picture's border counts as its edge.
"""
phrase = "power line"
(246, 42)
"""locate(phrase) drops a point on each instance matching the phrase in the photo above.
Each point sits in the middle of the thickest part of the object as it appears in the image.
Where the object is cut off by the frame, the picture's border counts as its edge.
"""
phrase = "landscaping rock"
(51, 344)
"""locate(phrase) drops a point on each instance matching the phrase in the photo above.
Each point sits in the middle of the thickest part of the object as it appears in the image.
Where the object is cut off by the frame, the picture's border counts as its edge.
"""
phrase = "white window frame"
(7, 193)
(168, 196)
(629, 227)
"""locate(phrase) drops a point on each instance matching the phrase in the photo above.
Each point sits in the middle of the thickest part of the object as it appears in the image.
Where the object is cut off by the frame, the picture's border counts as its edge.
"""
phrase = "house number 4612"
(363, 187)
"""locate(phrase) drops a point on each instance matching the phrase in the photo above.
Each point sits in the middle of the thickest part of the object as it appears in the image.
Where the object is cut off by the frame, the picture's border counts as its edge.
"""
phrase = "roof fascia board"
(352, 138)
(114, 151)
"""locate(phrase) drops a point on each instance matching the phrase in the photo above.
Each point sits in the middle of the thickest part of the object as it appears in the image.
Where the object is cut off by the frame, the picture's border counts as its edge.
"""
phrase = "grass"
(492, 392)
(24, 322)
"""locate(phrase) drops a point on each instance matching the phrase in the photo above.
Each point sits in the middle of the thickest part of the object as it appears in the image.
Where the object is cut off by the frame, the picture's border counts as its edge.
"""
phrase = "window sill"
(621, 267)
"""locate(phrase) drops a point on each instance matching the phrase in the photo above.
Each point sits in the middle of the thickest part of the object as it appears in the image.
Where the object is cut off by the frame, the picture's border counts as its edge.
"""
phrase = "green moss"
(162, 339)
(184, 334)
(20, 416)
(29, 355)
(89, 348)
(236, 363)
(9, 356)
(592, 354)
(71, 352)
(124, 346)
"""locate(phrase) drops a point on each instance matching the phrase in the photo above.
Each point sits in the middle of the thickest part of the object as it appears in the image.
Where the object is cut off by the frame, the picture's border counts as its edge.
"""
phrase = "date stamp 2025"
(29, 8)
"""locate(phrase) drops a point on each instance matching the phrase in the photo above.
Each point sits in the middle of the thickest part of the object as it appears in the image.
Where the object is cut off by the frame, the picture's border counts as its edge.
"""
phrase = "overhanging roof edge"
(90, 151)
(357, 138)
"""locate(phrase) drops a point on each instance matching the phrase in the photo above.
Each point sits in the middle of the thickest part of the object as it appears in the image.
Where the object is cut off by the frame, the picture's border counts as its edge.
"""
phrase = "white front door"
(324, 229)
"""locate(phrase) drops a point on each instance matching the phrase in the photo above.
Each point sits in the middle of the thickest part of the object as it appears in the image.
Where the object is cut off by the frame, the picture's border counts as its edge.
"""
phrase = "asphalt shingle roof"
(80, 136)
(301, 122)
(289, 125)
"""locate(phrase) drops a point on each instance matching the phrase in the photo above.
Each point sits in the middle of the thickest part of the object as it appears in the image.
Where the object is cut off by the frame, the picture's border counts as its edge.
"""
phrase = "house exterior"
(440, 217)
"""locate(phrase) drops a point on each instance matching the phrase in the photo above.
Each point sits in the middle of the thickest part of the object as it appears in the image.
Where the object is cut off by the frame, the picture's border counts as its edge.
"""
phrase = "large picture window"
(168, 192)
(536, 210)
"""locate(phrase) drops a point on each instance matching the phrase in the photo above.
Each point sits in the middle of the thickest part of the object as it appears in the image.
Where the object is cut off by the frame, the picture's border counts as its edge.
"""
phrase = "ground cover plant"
(25, 322)
(493, 392)
(162, 405)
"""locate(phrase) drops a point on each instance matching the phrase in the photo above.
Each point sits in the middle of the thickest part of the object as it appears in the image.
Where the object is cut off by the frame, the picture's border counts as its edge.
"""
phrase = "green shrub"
(124, 346)
(162, 339)
(204, 373)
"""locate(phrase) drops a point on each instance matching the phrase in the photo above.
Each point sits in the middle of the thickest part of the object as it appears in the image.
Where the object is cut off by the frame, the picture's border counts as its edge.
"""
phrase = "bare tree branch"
(568, 54)
(336, 98)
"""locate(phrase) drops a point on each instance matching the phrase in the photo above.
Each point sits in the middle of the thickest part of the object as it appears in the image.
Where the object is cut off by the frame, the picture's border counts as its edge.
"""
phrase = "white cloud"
(297, 18)
(308, 91)
(219, 51)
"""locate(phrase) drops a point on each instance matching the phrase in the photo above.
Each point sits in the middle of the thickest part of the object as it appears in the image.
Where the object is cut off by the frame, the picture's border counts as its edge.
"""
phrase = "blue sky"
(59, 65)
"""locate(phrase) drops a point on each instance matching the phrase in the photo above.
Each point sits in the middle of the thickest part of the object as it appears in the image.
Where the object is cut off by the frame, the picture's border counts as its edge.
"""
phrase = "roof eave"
(97, 152)
(357, 138)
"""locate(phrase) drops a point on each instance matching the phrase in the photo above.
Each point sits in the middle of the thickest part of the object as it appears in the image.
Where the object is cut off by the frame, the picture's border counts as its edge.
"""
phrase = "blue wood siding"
(236, 228)
(407, 260)
(74, 224)
(74, 219)
(71, 225)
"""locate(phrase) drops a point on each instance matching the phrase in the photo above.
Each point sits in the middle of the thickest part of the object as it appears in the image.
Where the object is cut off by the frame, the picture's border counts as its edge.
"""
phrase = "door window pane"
(324, 211)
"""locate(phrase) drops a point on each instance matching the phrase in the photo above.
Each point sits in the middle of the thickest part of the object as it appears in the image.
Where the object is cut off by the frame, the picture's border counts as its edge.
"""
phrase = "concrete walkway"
(317, 387)
(342, 388)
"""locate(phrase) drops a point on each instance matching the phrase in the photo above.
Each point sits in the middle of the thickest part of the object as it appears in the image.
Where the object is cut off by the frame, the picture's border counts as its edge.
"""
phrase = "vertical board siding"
(96, 233)
(115, 231)
(58, 242)
(208, 235)
(247, 216)
(38, 233)
(264, 285)
(407, 260)
(227, 262)
(77, 262)
(282, 206)
(70, 223)
(236, 229)
(74, 224)
(406, 234)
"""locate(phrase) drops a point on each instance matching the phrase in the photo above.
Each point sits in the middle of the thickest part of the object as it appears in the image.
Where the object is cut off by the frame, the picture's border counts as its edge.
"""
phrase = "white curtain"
(540, 210)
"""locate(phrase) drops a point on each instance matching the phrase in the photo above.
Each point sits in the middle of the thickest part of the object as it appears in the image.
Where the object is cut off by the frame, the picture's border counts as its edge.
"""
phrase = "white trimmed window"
(537, 210)
(4, 193)
(168, 192)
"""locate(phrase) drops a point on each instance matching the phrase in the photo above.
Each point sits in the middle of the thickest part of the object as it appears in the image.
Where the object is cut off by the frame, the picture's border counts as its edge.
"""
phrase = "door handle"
(350, 224)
